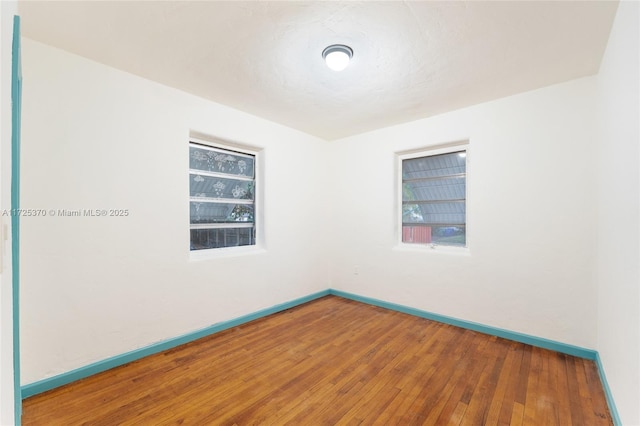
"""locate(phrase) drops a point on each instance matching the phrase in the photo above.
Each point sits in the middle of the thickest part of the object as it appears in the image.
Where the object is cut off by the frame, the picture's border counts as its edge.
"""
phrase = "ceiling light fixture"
(337, 56)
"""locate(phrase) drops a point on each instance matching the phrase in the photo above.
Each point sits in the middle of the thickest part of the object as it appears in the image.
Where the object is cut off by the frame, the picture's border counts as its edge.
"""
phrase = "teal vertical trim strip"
(615, 416)
(118, 360)
(16, 119)
(493, 331)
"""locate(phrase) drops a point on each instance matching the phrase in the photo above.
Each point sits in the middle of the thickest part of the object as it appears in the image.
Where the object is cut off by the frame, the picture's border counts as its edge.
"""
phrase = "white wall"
(95, 137)
(531, 216)
(7, 11)
(618, 272)
(547, 255)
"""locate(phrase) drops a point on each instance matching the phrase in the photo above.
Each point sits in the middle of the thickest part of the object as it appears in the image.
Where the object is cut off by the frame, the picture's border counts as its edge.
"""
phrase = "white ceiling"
(411, 59)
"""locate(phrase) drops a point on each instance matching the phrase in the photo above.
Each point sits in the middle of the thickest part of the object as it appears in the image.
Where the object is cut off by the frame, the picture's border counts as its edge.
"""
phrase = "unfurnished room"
(320, 212)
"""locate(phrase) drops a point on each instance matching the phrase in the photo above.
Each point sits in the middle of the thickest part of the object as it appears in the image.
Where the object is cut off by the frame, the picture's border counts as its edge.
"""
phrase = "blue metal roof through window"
(434, 196)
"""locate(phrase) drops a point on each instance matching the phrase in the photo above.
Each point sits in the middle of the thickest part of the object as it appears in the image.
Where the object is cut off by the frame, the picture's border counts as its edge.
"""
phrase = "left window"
(222, 187)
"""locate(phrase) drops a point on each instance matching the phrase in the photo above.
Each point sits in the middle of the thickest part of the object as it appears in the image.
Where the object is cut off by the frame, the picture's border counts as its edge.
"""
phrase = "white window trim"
(259, 246)
(423, 152)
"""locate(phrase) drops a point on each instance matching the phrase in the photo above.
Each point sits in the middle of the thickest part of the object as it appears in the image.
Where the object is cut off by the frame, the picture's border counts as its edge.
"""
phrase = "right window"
(434, 197)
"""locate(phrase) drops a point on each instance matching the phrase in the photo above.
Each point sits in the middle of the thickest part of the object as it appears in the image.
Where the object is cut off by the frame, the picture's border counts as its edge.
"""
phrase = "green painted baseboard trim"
(118, 360)
(493, 331)
(615, 416)
(100, 366)
(510, 335)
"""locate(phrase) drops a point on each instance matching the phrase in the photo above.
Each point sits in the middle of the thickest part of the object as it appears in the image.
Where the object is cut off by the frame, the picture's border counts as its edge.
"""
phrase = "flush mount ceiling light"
(337, 56)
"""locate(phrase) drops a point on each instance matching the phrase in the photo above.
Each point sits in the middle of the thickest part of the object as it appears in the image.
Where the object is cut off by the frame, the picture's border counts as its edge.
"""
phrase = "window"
(434, 197)
(221, 197)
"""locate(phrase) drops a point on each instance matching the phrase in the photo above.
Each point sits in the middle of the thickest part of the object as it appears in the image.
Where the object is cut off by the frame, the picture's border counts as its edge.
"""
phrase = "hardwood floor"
(335, 361)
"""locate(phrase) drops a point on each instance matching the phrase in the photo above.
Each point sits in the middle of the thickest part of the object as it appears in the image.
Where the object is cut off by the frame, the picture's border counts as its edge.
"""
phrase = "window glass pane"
(221, 237)
(220, 212)
(452, 188)
(435, 213)
(445, 235)
(222, 194)
(220, 161)
(449, 235)
(434, 166)
(216, 187)
(434, 199)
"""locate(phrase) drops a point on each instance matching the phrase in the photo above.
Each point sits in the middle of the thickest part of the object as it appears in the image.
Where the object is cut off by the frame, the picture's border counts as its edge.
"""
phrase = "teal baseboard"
(615, 416)
(511, 335)
(494, 331)
(118, 360)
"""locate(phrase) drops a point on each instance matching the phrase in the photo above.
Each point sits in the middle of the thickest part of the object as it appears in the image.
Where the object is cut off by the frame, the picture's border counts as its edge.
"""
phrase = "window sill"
(428, 248)
(219, 253)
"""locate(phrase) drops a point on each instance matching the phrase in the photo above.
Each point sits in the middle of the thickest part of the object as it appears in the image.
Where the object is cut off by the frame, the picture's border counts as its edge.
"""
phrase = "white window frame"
(427, 152)
(258, 246)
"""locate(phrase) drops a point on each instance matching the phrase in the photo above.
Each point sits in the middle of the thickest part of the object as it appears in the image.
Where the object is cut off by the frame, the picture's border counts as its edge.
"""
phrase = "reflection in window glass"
(221, 197)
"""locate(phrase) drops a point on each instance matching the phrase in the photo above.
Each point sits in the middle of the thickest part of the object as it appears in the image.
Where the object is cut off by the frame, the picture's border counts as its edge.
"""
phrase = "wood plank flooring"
(336, 362)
